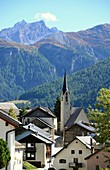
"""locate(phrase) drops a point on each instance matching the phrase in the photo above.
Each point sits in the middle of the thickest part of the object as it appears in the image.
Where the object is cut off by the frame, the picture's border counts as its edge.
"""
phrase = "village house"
(8, 126)
(72, 156)
(43, 118)
(98, 159)
(38, 143)
(18, 156)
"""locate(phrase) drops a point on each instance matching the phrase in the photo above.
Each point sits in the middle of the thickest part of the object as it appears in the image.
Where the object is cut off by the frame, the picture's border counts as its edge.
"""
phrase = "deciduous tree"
(101, 116)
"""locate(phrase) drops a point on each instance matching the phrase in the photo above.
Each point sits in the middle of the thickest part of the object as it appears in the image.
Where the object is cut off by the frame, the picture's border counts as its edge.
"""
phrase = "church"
(74, 121)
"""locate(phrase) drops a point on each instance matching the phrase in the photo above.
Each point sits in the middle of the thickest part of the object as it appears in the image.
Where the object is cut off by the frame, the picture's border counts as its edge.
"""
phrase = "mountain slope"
(25, 66)
(22, 68)
(75, 51)
(83, 86)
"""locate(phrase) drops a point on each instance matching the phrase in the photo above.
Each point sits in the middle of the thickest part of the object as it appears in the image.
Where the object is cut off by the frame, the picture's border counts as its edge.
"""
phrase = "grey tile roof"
(41, 121)
(40, 112)
(86, 126)
(75, 113)
(35, 131)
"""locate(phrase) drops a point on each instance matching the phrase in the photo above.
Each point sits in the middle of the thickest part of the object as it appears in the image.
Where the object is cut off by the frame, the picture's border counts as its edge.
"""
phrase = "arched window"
(62, 161)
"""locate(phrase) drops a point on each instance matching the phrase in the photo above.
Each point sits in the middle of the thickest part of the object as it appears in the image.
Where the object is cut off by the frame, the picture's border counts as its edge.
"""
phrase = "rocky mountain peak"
(27, 33)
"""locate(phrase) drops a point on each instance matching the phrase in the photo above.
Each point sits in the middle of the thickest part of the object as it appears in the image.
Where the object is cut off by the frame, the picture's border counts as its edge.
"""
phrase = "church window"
(66, 97)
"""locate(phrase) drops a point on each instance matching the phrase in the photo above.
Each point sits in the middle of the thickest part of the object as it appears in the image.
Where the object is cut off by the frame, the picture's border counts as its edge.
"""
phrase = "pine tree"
(57, 108)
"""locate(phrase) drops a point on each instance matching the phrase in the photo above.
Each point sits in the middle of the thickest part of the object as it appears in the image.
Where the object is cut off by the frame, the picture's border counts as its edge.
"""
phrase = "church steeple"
(65, 87)
(65, 103)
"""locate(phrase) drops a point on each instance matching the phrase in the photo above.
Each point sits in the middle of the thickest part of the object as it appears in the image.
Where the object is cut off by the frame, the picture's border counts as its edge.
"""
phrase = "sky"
(66, 15)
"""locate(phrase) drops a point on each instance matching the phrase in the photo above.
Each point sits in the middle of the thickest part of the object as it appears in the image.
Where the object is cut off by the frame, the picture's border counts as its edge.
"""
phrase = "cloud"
(46, 16)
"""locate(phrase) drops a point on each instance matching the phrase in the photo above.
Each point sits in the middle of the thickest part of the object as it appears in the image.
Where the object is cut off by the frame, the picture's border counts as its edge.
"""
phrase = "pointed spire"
(65, 87)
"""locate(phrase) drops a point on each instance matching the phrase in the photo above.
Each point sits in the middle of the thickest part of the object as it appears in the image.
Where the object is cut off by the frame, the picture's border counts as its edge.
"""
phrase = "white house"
(7, 132)
(18, 156)
(38, 145)
(72, 156)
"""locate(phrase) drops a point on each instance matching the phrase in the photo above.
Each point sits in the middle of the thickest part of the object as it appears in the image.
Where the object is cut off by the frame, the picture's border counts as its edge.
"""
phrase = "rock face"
(26, 33)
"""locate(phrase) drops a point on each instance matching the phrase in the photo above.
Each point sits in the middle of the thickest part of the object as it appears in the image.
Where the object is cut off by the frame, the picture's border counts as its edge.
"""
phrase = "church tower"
(65, 104)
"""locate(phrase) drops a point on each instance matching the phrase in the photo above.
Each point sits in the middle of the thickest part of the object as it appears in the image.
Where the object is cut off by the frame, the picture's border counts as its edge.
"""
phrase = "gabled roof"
(41, 121)
(84, 125)
(6, 117)
(86, 140)
(102, 149)
(36, 129)
(36, 132)
(7, 105)
(40, 112)
(77, 114)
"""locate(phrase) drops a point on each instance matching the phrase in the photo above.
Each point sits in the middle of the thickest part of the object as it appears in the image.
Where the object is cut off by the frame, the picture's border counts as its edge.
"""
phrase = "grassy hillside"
(83, 86)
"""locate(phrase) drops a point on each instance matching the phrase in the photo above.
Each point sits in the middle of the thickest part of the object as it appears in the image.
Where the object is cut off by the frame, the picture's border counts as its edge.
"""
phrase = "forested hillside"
(22, 68)
(83, 86)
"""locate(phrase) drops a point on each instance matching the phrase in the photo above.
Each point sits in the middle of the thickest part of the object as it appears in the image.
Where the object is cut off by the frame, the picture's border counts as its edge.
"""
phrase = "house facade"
(43, 118)
(18, 156)
(8, 125)
(78, 129)
(38, 145)
(72, 156)
(98, 160)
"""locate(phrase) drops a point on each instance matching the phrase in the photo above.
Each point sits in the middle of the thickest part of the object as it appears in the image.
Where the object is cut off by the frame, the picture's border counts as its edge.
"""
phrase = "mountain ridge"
(26, 33)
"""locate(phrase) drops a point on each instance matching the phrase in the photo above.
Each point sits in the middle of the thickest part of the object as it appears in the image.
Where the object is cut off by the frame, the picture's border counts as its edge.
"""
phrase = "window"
(75, 160)
(80, 151)
(62, 161)
(30, 156)
(66, 97)
(6, 123)
(97, 157)
(72, 151)
(30, 145)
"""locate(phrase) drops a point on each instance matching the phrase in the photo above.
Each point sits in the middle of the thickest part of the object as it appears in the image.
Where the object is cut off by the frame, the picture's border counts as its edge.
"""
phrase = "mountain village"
(37, 139)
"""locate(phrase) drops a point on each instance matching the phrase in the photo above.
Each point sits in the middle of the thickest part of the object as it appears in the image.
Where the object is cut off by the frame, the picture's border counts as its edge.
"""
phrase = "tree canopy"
(101, 116)
(4, 154)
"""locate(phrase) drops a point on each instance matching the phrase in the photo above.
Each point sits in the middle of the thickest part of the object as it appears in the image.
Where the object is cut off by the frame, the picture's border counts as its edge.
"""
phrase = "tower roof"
(65, 87)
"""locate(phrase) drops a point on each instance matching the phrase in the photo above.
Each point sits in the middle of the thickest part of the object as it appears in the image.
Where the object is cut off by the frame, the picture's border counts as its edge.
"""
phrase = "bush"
(4, 154)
